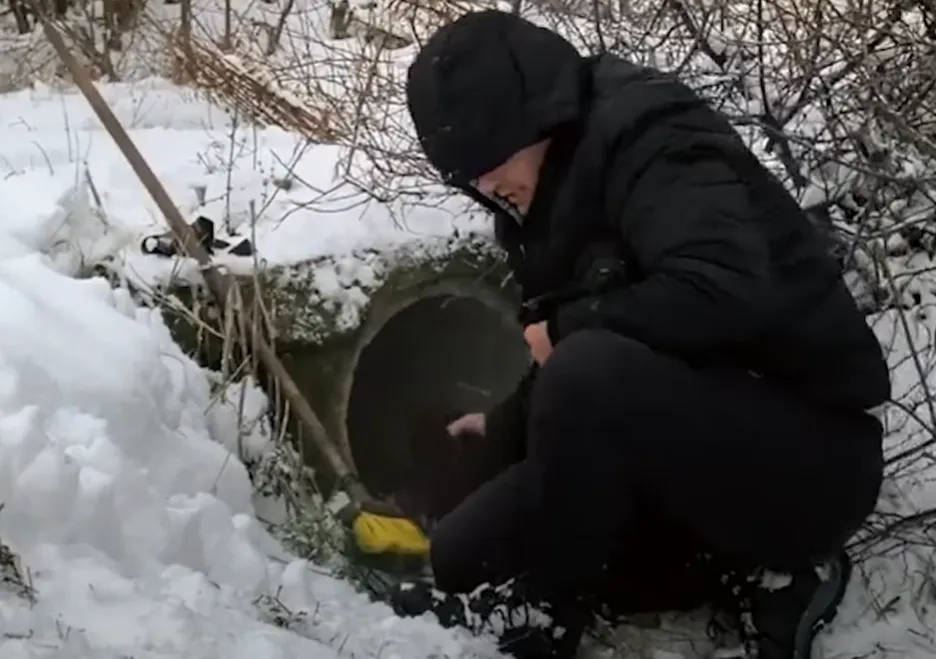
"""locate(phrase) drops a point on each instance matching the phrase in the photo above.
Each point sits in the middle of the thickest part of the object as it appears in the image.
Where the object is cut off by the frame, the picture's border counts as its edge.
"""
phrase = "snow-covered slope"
(133, 524)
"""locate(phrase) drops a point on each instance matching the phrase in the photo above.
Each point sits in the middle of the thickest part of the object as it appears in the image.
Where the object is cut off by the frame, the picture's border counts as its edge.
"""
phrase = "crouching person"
(703, 418)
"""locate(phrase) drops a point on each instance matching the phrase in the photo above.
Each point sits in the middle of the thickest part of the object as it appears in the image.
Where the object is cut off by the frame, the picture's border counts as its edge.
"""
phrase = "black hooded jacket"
(717, 264)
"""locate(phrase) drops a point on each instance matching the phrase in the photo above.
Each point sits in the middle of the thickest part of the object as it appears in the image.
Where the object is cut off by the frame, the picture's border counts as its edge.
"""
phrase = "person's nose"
(486, 185)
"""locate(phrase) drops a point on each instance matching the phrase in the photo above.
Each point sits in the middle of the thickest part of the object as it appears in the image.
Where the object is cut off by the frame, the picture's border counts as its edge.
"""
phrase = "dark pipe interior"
(436, 358)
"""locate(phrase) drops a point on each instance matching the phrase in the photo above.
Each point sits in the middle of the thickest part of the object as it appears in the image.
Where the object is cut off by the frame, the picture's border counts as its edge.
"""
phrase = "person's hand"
(537, 337)
(470, 424)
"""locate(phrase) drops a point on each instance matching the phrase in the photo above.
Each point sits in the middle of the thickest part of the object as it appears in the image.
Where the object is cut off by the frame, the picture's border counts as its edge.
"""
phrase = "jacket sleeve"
(704, 266)
(506, 422)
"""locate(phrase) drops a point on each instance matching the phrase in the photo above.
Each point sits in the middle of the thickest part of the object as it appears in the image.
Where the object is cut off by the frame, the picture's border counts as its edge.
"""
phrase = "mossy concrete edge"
(320, 342)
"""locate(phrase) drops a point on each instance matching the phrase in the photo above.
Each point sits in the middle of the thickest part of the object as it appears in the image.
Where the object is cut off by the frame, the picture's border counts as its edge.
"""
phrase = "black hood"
(487, 85)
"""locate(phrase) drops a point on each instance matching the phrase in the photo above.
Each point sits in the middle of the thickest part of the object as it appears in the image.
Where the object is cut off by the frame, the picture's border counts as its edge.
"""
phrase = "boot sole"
(823, 607)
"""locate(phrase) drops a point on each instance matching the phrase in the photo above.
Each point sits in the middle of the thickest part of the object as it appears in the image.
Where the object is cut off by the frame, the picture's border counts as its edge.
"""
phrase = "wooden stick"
(220, 285)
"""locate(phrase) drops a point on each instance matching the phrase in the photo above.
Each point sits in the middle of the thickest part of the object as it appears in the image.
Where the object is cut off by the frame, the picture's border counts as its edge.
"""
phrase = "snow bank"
(133, 523)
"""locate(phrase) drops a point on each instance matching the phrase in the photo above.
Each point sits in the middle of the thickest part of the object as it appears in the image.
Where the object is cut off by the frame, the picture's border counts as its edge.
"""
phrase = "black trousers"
(635, 462)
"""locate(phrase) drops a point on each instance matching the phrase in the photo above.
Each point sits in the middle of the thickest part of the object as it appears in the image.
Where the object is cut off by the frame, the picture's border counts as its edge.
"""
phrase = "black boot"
(779, 615)
(524, 626)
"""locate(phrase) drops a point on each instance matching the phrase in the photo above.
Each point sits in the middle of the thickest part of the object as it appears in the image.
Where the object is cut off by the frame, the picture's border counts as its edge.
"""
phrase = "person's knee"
(581, 351)
(592, 363)
(587, 382)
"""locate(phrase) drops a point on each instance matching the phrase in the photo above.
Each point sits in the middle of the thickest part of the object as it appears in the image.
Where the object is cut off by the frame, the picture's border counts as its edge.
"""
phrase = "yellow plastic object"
(381, 534)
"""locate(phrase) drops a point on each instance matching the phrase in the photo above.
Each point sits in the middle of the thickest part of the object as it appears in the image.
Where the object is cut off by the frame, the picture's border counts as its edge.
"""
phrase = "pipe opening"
(436, 358)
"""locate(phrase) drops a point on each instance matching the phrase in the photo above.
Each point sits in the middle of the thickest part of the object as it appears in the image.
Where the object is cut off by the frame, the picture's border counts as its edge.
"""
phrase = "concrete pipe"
(384, 358)
(437, 335)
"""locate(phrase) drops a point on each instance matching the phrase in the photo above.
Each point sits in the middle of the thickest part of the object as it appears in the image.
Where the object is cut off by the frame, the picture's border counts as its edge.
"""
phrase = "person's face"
(516, 179)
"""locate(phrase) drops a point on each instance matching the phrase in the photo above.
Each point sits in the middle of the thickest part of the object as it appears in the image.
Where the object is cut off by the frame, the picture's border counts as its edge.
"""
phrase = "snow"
(276, 188)
(122, 488)
(134, 522)
(122, 492)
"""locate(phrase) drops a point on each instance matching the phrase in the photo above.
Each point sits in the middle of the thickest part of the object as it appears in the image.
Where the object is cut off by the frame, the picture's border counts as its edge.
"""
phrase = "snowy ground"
(135, 525)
